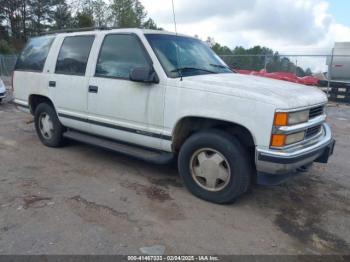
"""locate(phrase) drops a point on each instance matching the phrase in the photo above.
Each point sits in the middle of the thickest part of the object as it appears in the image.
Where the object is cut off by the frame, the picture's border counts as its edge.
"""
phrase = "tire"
(47, 125)
(219, 157)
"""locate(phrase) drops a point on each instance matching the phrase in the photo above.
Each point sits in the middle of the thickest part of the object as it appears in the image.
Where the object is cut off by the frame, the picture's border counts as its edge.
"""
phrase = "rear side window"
(119, 54)
(34, 54)
(74, 54)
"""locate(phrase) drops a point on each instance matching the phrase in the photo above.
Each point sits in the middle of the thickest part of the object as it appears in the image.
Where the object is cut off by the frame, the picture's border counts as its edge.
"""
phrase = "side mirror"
(144, 75)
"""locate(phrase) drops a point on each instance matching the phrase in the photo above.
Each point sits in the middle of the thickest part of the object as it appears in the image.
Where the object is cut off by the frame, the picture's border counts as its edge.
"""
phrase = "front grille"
(316, 111)
(2, 94)
(312, 131)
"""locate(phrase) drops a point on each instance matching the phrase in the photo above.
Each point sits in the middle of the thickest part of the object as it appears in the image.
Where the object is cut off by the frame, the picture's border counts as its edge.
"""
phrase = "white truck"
(162, 97)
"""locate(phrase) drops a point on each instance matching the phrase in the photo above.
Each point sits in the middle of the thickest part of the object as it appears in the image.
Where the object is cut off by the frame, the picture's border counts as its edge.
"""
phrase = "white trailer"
(339, 63)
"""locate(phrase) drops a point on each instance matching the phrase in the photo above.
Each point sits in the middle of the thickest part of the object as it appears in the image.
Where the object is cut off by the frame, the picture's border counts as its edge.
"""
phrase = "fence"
(7, 64)
(299, 68)
(305, 69)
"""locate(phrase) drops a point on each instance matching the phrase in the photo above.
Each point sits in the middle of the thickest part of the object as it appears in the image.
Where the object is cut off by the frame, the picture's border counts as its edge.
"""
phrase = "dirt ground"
(83, 200)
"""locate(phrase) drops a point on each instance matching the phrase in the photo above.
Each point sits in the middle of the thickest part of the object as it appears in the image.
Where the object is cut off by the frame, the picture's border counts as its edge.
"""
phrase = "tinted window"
(119, 54)
(34, 54)
(74, 54)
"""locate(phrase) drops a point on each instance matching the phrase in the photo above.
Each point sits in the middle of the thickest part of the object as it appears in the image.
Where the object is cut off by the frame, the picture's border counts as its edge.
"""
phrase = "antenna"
(174, 16)
(177, 46)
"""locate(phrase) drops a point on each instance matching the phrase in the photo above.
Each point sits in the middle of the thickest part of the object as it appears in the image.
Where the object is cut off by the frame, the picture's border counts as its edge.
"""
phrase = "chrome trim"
(299, 127)
(304, 141)
(314, 145)
(301, 149)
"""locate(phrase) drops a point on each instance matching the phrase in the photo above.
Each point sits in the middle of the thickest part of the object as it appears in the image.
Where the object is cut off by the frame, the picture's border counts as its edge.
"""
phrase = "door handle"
(52, 83)
(93, 89)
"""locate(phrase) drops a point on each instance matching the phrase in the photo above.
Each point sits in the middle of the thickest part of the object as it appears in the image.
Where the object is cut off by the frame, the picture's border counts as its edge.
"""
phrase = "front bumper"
(270, 161)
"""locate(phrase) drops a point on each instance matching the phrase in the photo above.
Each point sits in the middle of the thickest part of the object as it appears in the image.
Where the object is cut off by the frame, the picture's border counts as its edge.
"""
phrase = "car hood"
(282, 94)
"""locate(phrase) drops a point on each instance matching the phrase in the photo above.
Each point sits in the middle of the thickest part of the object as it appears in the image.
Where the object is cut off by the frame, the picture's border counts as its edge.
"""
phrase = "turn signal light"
(278, 140)
(281, 119)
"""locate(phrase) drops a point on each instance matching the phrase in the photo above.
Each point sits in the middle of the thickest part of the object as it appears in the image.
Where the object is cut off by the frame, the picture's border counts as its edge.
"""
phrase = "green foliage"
(62, 16)
(5, 48)
(150, 24)
(131, 13)
(84, 19)
(140, 12)
(101, 12)
(256, 58)
(308, 72)
(21, 19)
(123, 13)
(40, 15)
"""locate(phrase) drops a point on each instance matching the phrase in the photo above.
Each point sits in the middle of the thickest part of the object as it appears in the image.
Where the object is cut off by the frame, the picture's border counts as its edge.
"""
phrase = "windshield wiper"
(219, 66)
(192, 68)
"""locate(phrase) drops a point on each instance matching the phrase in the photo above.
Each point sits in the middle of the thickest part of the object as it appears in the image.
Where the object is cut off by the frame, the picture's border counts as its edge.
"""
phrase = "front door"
(119, 108)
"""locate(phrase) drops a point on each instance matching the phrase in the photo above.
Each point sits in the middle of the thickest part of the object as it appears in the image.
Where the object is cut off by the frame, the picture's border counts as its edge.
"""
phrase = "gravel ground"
(83, 200)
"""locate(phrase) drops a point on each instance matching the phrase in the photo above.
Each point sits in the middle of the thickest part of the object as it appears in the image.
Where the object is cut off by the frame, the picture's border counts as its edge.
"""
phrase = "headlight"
(295, 138)
(293, 118)
(298, 117)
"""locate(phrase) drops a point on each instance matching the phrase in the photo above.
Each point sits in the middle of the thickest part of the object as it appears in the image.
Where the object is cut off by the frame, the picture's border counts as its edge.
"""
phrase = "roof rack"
(83, 29)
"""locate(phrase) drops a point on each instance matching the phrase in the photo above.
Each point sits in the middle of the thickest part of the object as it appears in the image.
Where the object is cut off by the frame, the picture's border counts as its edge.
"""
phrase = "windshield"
(185, 56)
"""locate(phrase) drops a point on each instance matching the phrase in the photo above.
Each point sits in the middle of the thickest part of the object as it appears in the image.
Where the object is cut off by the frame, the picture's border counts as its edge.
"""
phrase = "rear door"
(68, 84)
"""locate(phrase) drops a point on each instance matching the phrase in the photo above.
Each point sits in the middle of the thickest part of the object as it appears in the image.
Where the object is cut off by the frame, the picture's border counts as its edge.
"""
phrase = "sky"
(340, 9)
(287, 26)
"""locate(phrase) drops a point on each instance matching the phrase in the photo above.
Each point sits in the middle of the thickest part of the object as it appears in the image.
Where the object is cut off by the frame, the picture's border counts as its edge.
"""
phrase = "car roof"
(111, 31)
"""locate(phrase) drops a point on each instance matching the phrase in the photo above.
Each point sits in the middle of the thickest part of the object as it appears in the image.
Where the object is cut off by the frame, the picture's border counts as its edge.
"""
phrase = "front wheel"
(215, 166)
(48, 126)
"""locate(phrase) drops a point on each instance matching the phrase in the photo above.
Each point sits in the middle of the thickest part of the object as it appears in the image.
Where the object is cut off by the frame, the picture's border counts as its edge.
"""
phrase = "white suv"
(160, 97)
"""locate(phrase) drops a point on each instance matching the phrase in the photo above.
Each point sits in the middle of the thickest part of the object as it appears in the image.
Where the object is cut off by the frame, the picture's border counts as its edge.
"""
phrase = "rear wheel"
(215, 166)
(48, 126)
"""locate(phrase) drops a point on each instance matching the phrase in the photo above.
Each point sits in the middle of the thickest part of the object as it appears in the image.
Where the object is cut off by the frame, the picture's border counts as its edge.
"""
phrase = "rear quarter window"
(34, 54)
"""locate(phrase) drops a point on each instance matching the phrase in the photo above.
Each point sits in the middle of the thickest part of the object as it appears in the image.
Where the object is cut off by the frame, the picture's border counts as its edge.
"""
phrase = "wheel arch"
(188, 125)
(35, 99)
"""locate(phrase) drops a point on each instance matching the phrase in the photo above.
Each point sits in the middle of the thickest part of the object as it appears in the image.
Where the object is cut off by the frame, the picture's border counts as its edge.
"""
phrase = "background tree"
(84, 19)
(256, 58)
(21, 19)
(308, 72)
(123, 14)
(140, 13)
(101, 13)
(40, 15)
(6, 48)
(150, 24)
(11, 14)
(62, 16)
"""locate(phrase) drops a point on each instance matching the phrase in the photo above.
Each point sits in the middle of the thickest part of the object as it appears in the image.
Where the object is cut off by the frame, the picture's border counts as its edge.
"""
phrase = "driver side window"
(119, 54)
